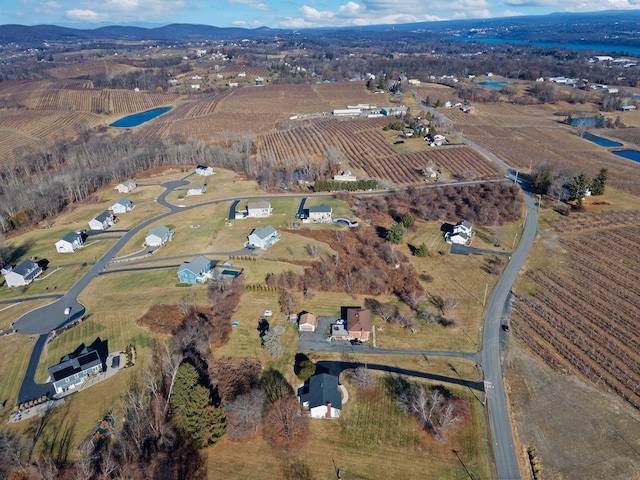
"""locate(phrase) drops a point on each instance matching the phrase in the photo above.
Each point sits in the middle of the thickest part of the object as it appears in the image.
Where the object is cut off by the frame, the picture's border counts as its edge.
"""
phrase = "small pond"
(589, 121)
(603, 142)
(629, 154)
(492, 84)
(139, 118)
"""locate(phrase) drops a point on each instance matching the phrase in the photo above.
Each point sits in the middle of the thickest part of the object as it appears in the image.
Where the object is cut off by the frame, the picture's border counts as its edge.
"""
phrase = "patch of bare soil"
(579, 430)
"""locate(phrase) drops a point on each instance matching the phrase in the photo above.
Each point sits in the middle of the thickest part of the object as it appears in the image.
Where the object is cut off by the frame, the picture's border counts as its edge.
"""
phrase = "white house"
(121, 206)
(345, 176)
(321, 396)
(73, 371)
(101, 222)
(69, 243)
(196, 189)
(319, 213)
(158, 236)
(204, 170)
(461, 235)
(260, 209)
(126, 186)
(263, 237)
(23, 274)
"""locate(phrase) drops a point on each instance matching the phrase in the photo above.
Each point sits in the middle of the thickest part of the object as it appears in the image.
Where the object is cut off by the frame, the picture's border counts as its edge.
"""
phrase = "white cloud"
(79, 15)
(367, 12)
(118, 11)
(51, 5)
(256, 4)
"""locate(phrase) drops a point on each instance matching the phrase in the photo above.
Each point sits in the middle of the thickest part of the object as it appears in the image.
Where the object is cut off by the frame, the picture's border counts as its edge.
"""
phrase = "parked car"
(67, 310)
(355, 341)
(268, 313)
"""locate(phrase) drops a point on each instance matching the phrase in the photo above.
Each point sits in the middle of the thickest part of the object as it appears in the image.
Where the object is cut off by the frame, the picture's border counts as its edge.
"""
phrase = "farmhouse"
(23, 274)
(204, 170)
(126, 186)
(121, 206)
(69, 243)
(321, 396)
(195, 271)
(196, 189)
(359, 323)
(260, 209)
(263, 237)
(319, 214)
(345, 176)
(101, 222)
(158, 236)
(73, 371)
(307, 322)
(461, 235)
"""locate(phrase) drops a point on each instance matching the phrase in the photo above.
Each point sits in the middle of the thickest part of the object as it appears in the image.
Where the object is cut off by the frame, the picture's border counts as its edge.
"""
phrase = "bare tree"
(362, 378)
(286, 425)
(244, 415)
(312, 250)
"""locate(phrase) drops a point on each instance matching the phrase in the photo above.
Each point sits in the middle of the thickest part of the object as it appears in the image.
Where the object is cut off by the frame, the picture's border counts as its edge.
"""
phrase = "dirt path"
(579, 430)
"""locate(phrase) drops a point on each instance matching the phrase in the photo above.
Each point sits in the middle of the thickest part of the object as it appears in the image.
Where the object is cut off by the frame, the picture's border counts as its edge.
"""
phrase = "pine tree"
(598, 184)
(396, 233)
(193, 410)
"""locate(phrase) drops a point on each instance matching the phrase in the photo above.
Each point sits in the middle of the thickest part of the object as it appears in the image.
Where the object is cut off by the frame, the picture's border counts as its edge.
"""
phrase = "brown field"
(84, 68)
(368, 152)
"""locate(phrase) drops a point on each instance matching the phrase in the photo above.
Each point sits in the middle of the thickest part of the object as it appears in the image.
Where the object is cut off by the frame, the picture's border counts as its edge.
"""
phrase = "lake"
(603, 142)
(139, 118)
(628, 154)
(492, 84)
(588, 121)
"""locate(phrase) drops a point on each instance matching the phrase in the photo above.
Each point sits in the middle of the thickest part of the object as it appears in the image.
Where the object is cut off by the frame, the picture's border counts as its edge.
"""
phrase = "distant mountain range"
(614, 27)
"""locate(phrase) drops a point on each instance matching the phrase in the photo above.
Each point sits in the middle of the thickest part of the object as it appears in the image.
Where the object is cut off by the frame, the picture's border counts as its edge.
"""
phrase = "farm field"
(367, 152)
(528, 136)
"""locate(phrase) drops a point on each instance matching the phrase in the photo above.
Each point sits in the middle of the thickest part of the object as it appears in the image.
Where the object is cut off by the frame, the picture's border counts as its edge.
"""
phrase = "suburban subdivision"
(267, 254)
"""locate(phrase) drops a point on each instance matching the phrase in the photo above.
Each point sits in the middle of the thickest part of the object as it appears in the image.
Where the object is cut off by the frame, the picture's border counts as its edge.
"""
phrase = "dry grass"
(15, 351)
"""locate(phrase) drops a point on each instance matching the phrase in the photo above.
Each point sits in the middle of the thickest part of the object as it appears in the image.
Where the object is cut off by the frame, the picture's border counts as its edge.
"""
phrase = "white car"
(67, 310)
(268, 313)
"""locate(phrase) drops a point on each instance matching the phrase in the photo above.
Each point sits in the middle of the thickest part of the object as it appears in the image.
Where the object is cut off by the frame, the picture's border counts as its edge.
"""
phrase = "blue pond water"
(603, 142)
(492, 84)
(629, 154)
(139, 118)
(589, 121)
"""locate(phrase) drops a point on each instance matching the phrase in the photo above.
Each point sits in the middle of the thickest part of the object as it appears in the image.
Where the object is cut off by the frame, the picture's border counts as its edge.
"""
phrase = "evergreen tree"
(541, 179)
(193, 410)
(396, 233)
(421, 251)
(598, 184)
(407, 220)
(578, 188)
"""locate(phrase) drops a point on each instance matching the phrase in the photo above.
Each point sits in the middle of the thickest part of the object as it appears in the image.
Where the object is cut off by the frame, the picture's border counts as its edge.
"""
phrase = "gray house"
(321, 396)
(102, 221)
(263, 237)
(121, 206)
(69, 243)
(158, 236)
(73, 371)
(319, 213)
(23, 274)
(195, 271)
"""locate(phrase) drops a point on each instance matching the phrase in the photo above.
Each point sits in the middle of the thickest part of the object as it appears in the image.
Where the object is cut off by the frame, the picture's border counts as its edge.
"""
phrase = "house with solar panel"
(74, 370)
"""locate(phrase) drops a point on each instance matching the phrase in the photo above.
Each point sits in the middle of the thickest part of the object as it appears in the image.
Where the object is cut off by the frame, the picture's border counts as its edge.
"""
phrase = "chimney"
(328, 414)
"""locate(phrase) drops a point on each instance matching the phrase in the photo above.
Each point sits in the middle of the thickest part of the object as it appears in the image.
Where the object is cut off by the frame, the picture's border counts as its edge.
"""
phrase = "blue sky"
(281, 13)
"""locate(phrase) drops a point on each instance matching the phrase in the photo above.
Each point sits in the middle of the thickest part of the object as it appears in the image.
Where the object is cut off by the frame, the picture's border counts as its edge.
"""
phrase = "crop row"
(584, 221)
(585, 357)
(535, 343)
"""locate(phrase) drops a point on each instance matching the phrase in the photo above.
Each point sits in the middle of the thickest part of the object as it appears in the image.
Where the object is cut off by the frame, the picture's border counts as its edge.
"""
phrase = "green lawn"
(15, 351)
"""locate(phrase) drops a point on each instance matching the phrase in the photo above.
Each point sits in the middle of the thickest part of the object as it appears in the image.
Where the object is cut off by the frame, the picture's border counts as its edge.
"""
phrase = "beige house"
(307, 322)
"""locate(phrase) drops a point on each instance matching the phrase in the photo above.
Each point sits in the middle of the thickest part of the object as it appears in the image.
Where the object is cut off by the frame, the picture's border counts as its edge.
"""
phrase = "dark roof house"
(74, 370)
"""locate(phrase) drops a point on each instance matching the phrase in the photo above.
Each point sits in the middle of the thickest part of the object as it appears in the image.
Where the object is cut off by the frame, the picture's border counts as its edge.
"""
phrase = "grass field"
(15, 351)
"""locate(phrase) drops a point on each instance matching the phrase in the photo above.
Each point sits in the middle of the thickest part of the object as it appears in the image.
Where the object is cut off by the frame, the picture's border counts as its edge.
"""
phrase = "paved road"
(504, 449)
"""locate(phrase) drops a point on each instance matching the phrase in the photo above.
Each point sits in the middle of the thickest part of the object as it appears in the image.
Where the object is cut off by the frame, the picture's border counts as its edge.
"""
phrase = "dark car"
(505, 328)
(355, 341)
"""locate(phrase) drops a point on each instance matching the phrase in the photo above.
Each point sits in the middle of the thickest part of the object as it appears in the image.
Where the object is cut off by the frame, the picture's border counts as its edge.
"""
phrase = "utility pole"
(514, 240)
(484, 300)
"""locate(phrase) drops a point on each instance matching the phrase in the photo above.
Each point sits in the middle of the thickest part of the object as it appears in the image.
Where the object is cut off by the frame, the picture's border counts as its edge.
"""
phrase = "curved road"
(42, 320)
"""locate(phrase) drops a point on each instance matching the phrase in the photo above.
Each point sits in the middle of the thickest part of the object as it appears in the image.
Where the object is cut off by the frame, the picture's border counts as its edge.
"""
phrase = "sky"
(281, 13)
